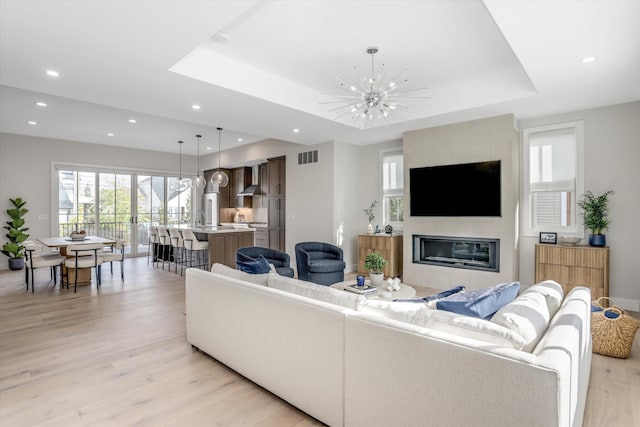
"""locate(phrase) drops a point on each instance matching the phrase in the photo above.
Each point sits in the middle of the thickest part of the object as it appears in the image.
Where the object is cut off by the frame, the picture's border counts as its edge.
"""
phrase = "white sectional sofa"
(348, 361)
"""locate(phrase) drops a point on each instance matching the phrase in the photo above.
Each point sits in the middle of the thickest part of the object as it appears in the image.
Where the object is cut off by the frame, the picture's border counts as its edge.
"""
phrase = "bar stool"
(194, 246)
(164, 245)
(153, 244)
(177, 246)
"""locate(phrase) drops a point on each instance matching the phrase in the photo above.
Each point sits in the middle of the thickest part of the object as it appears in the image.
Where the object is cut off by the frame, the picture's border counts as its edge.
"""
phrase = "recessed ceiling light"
(208, 148)
(132, 120)
(296, 130)
(53, 73)
(195, 107)
(41, 104)
(240, 140)
(588, 59)
(109, 134)
(31, 122)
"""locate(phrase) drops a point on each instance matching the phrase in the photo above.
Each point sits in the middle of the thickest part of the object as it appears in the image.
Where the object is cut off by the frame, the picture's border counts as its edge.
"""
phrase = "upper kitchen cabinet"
(224, 198)
(276, 176)
(240, 179)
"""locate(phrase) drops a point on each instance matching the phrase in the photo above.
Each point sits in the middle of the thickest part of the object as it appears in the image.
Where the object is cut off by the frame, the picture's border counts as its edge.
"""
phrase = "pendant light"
(180, 182)
(197, 181)
(219, 177)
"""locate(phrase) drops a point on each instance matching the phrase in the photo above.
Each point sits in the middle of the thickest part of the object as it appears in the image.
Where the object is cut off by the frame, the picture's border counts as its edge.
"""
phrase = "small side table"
(382, 293)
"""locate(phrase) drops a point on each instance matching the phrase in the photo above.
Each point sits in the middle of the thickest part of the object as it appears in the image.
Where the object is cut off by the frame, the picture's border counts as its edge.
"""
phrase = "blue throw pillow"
(480, 303)
(259, 266)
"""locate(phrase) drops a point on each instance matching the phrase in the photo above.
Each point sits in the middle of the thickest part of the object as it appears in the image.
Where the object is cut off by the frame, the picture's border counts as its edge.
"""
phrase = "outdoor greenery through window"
(553, 168)
(120, 205)
(392, 188)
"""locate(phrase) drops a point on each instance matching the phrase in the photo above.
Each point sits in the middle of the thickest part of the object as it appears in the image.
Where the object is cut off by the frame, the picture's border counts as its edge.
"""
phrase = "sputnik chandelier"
(375, 97)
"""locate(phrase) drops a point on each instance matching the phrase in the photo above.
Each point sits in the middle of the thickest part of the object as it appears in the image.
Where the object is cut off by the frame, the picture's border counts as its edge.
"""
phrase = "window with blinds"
(392, 188)
(552, 176)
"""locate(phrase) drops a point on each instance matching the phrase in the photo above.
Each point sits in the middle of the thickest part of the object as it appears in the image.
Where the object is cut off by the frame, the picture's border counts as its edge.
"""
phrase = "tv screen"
(469, 189)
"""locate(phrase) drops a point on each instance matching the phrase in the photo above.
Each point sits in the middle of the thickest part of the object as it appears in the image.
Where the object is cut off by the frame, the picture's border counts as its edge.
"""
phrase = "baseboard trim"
(627, 304)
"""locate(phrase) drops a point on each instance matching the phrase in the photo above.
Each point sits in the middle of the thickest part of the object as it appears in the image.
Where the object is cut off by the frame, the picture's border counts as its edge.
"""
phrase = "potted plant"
(595, 210)
(375, 263)
(371, 216)
(16, 234)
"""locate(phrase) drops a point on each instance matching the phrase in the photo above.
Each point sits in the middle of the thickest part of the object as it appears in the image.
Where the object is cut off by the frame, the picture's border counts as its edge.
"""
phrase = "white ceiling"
(152, 60)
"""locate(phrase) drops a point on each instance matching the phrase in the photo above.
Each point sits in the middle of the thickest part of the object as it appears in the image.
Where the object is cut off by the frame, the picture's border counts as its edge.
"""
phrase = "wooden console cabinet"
(389, 246)
(574, 266)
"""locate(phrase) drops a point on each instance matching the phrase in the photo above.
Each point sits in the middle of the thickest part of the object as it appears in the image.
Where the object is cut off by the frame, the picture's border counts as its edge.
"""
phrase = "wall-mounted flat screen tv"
(469, 189)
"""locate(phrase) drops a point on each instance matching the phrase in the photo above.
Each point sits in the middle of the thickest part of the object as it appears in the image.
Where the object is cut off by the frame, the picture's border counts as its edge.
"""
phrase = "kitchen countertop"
(213, 229)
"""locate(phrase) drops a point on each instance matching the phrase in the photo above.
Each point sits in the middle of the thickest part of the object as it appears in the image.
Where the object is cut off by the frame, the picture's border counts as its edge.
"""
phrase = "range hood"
(254, 188)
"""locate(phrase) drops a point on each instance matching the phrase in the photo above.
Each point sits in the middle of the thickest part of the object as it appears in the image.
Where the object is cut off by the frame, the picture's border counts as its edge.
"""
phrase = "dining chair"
(114, 252)
(192, 247)
(37, 257)
(177, 246)
(84, 256)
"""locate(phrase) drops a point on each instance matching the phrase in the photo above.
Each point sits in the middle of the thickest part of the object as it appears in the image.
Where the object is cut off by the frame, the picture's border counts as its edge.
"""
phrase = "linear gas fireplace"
(458, 252)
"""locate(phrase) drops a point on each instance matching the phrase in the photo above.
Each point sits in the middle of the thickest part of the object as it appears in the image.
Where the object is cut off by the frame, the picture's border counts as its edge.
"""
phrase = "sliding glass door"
(120, 205)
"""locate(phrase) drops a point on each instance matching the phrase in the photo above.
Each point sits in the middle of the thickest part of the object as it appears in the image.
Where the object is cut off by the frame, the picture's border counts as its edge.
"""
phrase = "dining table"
(68, 274)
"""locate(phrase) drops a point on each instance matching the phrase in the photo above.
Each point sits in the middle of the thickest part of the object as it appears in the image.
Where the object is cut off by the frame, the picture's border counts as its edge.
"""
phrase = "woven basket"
(612, 336)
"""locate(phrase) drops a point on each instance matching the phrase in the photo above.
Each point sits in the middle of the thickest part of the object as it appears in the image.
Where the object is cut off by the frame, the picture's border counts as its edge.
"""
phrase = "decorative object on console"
(388, 229)
(394, 284)
(568, 240)
(375, 263)
(374, 97)
(14, 248)
(371, 216)
(595, 210)
(219, 177)
(549, 238)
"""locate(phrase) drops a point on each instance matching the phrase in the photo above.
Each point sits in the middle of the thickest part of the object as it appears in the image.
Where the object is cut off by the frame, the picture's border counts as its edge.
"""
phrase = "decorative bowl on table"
(78, 235)
(568, 240)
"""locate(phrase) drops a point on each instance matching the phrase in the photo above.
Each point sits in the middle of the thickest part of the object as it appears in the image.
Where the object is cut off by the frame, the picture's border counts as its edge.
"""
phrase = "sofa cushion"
(258, 266)
(258, 279)
(480, 303)
(552, 292)
(312, 290)
(527, 315)
(326, 265)
(445, 321)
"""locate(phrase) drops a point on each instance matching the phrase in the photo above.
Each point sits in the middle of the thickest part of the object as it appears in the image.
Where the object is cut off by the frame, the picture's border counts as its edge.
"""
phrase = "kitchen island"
(224, 241)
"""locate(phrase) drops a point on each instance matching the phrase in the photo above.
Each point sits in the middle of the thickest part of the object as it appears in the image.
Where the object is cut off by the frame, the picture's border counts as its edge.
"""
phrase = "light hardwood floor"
(119, 357)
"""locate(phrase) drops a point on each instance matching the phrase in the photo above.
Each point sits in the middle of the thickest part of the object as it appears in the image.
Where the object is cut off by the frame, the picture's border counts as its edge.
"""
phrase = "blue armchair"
(320, 263)
(280, 260)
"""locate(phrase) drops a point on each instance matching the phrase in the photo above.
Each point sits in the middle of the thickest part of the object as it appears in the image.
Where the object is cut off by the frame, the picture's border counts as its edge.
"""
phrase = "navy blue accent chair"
(280, 260)
(320, 263)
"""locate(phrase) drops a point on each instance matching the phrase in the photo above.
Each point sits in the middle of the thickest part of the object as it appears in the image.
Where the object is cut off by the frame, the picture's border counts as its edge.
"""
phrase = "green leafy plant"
(375, 262)
(595, 210)
(16, 229)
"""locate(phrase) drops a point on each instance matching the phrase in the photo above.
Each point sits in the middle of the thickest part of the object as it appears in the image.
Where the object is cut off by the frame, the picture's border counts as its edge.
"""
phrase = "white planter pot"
(377, 279)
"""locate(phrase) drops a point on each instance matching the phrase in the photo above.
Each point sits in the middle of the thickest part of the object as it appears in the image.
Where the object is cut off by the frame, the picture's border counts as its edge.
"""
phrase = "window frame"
(397, 225)
(529, 229)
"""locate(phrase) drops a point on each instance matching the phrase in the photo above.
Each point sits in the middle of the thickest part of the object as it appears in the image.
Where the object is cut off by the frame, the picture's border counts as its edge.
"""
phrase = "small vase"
(370, 228)
(597, 240)
(377, 279)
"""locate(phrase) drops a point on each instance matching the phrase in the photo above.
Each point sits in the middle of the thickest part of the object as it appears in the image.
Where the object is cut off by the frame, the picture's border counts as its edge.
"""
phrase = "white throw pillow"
(258, 279)
(445, 321)
(314, 291)
(552, 292)
(527, 316)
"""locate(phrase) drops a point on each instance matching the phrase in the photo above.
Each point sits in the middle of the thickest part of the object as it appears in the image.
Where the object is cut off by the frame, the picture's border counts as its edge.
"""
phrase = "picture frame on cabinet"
(548, 238)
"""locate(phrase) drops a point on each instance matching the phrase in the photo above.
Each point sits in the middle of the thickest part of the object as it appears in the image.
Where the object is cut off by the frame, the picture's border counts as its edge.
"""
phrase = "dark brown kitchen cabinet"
(276, 212)
(276, 171)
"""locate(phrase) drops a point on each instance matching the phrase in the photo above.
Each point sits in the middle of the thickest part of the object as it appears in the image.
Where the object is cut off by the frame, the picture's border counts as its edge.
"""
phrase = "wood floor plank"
(118, 356)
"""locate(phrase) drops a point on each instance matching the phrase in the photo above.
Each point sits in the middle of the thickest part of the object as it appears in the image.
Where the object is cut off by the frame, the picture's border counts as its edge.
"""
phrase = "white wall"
(475, 141)
(612, 156)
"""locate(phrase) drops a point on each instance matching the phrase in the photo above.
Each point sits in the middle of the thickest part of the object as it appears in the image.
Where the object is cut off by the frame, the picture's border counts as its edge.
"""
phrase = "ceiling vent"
(308, 157)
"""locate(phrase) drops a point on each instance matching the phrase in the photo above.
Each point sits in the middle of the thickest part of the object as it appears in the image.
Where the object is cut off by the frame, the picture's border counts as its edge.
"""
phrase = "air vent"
(308, 157)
